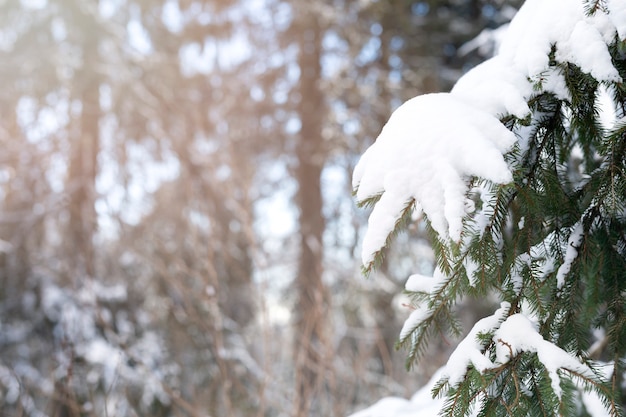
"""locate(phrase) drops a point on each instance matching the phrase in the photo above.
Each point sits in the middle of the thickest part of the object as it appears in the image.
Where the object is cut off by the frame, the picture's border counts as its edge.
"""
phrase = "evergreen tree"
(519, 173)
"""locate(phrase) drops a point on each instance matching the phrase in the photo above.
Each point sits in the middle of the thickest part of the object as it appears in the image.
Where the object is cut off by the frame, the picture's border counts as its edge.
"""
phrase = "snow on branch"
(578, 38)
(433, 144)
(470, 350)
(512, 336)
(436, 146)
(426, 152)
(518, 334)
(496, 87)
(571, 253)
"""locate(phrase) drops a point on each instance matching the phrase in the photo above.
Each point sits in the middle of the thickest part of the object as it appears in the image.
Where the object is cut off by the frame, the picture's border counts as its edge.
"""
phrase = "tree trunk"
(82, 169)
(312, 353)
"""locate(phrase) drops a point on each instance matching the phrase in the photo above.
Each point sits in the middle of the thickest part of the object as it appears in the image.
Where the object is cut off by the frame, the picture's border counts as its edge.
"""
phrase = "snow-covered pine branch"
(426, 152)
(522, 181)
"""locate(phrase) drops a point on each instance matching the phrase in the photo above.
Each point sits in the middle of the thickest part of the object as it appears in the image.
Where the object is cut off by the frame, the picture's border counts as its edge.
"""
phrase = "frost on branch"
(425, 155)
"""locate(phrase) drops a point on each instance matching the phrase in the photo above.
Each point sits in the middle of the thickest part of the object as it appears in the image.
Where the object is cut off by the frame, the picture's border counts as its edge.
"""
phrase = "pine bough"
(520, 175)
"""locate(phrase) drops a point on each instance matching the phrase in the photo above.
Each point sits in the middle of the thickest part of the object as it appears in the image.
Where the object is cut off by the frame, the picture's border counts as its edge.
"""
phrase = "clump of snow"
(470, 350)
(518, 334)
(424, 283)
(606, 107)
(573, 243)
(594, 405)
(389, 406)
(496, 87)
(421, 404)
(553, 81)
(617, 16)
(577, 39)
(109, 358)
(486, 43)
(418, 315)
(420, 156)
(52, 301)
(541, 260)
(471, 270)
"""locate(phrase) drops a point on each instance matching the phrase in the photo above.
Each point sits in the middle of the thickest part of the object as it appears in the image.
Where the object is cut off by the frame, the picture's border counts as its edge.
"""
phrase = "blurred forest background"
(177, 231)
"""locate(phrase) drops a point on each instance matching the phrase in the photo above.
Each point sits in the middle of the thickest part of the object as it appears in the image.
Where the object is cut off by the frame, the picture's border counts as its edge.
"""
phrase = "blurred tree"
(111, 82)
(83, 139)
(313, 360)
(142, 141)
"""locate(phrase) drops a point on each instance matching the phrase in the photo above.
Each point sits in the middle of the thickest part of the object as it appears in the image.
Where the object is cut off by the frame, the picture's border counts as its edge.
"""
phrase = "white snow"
(390, 406)
(578, 40)
(594, 405)
(471, 270)
(485, 43)
(100, 352)
(469, 351)
(587, 49)
(418, 315)
(617, 16)
(571, 253)
(542, 262)
(552, 80)
(426, 152)
(424, 283)
(496, 87)
(421, 404)
(476, 225)
(518, 334)
(606, 107)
